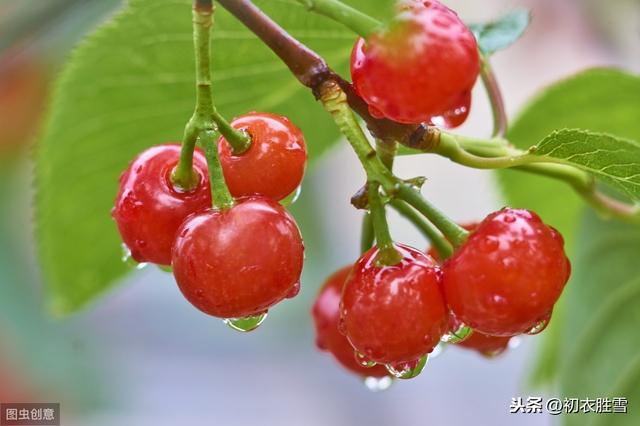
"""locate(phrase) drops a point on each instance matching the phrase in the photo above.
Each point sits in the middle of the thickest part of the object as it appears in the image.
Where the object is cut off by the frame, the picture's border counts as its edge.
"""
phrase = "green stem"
(183, 175)
(367, 236)
(387, 152)
(358, 22)
(239, 141)
(442, 246)
(388, 255)
(495, 97)
(334, 101)
(222, 198)
(451, 230)
(497, 153)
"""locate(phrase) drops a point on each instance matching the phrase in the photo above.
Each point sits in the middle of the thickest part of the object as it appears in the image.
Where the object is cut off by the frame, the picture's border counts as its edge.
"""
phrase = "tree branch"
(312, 71)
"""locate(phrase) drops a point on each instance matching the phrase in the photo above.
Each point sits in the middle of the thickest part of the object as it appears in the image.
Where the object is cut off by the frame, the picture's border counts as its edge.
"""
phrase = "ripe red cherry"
(394, 314)
(238, 262)
(274, 164)
(508, 275)
(424, 65)
(149, 209)
(486, 345)
(326, 316)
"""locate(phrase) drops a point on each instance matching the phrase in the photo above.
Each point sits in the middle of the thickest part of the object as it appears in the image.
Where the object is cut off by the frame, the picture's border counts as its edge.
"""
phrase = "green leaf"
(130, 86)
(602, 100)
(613, 160)
(500, 34)
(600, 339)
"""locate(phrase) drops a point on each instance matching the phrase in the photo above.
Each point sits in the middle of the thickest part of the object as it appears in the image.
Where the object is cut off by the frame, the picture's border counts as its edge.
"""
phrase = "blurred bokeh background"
(143, 356)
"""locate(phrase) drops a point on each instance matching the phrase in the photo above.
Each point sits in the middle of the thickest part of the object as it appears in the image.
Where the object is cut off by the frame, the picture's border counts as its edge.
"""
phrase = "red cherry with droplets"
(238, 262)
(421, 66)
(456, 115)
(508, 275)
(394, 314)
(274, 164)
(326, 317)
(149, 209)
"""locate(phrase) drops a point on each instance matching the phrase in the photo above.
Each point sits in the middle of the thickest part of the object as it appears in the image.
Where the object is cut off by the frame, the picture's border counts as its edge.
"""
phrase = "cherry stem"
(239, 141)
(221, 197)
(498, 153)
(451, 230)
(388, 255)
(205, 116)
(367, 235)
(312, 71)
(439, 243)
(495, 97)
(360, 23)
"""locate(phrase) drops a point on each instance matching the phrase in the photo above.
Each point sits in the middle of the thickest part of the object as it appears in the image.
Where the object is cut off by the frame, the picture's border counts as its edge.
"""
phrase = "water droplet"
(437, 350)
(246, 324)
(514, 342)
(407, 370)
(294, 291)
(363, 360)
(461, 333)
(342, 328)
(128, 259)
(378, 384)
(540, 326)
(292, 198)
(456, 115)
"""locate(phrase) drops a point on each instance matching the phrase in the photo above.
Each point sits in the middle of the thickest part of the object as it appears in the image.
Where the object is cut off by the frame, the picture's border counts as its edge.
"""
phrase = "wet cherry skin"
(486, 345)
(326, 317)
(423, 65)
(238, 262)
(274, 164)
(394, 314)
(149, 209)
(508, 275)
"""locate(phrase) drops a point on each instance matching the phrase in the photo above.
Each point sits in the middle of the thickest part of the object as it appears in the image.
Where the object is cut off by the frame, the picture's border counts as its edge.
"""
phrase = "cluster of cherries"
(379, 320)
(230, 263)
(382, 321)
(502, 282)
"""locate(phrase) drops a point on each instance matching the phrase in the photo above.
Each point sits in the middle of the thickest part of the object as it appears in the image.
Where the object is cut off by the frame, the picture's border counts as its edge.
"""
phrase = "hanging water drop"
(291, 198)
(246, 324)
(129, 260)
(363, 360)
(378, 384)
(461, 333)
(437, 350)
(540, 326)
(407, 370)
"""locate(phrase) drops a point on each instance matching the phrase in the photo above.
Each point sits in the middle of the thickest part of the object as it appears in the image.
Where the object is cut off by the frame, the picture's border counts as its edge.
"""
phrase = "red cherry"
(394, 314)
(149, 209)
(508, 275)
(326, 316)
(238, 262)
(274, 164)
(424, 65)
(486, 345)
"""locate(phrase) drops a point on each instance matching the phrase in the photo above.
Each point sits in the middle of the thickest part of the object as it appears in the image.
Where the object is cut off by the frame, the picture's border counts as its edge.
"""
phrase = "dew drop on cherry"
(128, 259)
(378, 384)
(407, 370)
(294, 291)
(246, 324)
(291, 198)
(457, 115)
(458, 335)
(363, 360)
(540, 326)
